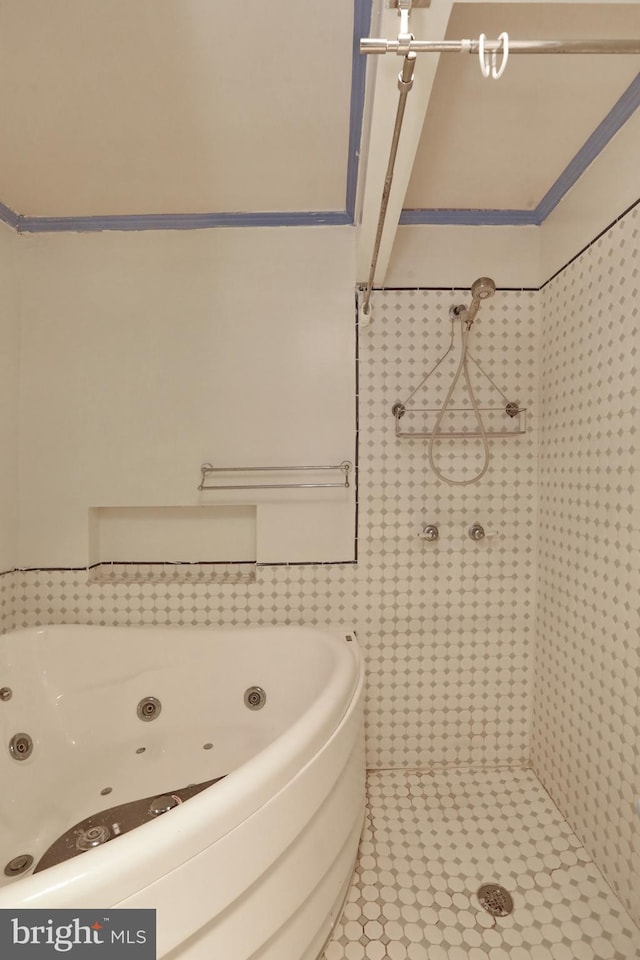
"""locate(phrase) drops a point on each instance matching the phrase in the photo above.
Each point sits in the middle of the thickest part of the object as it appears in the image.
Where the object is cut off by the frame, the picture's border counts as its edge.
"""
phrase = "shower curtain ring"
(497, 73)
(484, 63)
(490, 67)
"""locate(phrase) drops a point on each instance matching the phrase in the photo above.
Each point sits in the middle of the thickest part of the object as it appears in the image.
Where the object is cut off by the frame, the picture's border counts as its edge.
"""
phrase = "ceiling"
(502, 144)
(135, 107)
(173, 106)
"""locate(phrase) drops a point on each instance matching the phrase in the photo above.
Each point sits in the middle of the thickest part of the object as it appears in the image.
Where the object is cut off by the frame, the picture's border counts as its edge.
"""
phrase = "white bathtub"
(255, 866)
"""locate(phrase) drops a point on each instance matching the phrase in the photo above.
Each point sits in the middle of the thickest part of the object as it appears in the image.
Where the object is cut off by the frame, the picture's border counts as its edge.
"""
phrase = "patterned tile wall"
(449, 670)
(586, 717)
(447, 627)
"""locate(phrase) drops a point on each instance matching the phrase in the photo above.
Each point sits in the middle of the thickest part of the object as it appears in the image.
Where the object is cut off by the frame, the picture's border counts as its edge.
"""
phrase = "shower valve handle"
(429, 531)
(477, 532)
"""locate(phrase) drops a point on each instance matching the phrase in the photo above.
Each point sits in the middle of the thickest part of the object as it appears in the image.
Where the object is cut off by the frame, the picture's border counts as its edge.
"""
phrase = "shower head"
(482, 288)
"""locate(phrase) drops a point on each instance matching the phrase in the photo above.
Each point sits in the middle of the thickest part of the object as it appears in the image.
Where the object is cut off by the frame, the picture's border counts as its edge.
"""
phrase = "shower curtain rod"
(404, 46)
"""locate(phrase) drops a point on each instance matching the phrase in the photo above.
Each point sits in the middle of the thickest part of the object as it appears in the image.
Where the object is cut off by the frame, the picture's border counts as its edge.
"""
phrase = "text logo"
(78, 934)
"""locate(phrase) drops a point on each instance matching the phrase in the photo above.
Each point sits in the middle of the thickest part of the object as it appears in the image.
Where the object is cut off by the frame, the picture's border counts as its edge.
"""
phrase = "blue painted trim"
(593, 146)
(614, 120)
(493, 218)
(9, 216)
(183, 221)
(361, 28)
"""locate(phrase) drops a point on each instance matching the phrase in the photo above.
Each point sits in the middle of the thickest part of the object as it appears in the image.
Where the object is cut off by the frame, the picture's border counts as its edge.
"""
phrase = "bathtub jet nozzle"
(149, 708)
(255, 698)
(21, 746)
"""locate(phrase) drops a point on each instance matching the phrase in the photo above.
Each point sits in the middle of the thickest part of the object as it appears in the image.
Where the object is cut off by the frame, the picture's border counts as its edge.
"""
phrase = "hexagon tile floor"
(432, 839)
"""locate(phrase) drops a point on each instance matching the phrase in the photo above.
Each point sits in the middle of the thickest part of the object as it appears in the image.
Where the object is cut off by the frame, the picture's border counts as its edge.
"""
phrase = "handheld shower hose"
(480, 290)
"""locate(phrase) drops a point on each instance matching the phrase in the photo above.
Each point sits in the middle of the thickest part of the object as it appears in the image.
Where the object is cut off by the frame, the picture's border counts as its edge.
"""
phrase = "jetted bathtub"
(257, 864)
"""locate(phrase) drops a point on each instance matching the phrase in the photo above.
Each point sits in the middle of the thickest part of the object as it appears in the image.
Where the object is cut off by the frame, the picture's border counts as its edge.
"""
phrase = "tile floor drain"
(495, 899)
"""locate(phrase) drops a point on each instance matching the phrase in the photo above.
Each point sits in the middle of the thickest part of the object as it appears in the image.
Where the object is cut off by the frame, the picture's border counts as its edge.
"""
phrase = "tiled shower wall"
(449, 670)
(447, 627)
(586, 719)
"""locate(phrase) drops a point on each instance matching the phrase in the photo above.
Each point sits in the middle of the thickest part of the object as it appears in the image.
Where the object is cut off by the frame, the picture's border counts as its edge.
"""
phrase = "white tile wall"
(456, 616)
(447, 627)
(586, 718)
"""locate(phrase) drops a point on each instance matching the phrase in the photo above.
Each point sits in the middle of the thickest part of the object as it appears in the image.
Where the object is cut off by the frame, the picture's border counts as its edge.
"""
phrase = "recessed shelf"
(221, 533)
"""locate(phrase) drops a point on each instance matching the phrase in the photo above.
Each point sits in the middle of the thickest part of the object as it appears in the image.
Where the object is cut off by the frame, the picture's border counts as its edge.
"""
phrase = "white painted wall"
(442, 256)
(9, 371)
(146, 354)
(428, 255)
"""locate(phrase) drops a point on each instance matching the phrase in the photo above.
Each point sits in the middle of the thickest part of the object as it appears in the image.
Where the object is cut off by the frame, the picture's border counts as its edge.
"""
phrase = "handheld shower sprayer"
(481, 288)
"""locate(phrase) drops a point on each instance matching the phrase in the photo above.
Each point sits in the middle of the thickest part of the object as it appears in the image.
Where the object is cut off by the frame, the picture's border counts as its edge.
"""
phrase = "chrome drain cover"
(495, 899)
(18, 865)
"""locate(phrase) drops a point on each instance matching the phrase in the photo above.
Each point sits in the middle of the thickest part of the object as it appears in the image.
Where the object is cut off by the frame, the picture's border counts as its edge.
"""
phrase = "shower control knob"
(429, 531)
(162, 804)
(478, 532)
(93, 837)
